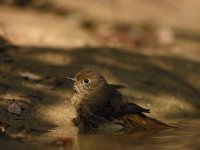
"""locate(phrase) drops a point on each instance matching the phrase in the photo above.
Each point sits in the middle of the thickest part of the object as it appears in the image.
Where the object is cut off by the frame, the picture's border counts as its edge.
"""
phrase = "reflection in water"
(187, 136)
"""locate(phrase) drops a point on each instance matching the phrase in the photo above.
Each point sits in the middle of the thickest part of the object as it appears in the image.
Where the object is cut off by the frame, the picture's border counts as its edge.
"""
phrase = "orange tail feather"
(146, 122)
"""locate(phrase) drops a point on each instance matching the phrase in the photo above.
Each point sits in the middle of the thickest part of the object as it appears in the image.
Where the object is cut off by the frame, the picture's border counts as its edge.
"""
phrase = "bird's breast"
(76, 99)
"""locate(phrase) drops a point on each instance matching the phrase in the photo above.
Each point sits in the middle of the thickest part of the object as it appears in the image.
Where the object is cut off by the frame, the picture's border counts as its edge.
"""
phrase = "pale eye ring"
(86, 81)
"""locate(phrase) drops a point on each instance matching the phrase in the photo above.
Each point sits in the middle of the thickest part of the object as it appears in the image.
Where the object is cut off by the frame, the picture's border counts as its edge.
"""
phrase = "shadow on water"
(140, 72)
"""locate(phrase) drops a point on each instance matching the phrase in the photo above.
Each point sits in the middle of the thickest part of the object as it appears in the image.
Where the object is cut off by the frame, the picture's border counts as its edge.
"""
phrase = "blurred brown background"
(151, 46)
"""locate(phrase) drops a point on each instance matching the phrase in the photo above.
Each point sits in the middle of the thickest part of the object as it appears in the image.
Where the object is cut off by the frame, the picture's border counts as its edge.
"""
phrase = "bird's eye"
(86, 81)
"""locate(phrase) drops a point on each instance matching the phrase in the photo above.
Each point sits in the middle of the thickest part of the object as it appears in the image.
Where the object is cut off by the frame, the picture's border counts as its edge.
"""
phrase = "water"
(187, 136)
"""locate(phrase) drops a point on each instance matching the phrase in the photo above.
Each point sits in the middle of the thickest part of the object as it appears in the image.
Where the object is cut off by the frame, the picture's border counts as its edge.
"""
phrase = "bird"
(99, 104)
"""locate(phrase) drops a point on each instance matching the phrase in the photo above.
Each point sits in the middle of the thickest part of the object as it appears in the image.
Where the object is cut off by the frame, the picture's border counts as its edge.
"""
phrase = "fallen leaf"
(14, 108)
(30, 76)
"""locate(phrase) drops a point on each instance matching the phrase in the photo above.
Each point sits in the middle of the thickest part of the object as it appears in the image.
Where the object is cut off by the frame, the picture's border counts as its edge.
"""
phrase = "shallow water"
(186, 136)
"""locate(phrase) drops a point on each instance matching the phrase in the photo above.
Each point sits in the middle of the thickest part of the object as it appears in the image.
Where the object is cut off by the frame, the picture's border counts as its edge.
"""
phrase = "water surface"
(187, 136)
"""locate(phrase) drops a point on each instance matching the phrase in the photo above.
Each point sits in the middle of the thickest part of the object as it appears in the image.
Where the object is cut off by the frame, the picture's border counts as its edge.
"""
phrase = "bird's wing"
(135, 117)
(145, 122)
(131, 108)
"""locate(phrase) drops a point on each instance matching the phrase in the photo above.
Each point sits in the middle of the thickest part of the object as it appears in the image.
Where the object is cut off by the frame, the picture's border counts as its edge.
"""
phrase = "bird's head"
(87, 81)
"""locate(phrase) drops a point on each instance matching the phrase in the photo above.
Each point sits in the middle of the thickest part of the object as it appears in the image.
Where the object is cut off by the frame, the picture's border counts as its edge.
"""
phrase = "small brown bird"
(99, 104)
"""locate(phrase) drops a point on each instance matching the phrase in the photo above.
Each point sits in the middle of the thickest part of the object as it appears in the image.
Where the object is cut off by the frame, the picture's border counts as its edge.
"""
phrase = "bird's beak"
(72, 79)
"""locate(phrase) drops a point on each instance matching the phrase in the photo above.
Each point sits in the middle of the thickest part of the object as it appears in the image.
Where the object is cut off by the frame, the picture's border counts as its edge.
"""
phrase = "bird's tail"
(142, 121)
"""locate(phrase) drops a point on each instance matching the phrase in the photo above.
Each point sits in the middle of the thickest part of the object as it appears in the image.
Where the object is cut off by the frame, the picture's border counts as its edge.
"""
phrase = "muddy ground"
(152, 49)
